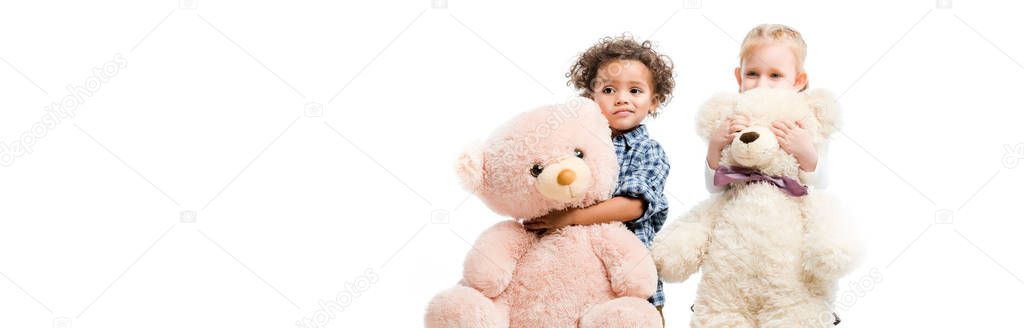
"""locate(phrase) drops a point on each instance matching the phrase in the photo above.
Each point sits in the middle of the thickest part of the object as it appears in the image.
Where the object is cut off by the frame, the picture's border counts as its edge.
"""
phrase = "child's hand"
(795, 140)
(724, 136)
(552, 221)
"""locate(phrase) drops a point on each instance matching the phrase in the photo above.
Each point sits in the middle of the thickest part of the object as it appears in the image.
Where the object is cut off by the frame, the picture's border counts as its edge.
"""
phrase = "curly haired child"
(630, 81)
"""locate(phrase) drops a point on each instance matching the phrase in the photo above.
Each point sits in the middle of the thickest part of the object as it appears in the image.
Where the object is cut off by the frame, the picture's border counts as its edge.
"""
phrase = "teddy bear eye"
(578, 152)
(536, 170)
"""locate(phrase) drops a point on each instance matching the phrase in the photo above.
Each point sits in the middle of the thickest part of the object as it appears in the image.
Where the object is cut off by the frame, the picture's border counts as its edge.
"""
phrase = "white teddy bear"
(771, 252)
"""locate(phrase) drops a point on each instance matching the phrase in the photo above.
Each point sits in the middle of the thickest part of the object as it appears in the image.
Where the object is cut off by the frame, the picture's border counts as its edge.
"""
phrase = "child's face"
(625, 92)
(773, 65)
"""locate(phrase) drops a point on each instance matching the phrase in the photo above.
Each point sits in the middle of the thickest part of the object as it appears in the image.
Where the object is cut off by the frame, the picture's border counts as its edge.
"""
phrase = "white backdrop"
(260, 164)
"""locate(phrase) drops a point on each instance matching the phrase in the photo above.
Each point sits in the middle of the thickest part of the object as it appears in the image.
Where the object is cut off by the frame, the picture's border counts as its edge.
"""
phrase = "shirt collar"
(632, 137)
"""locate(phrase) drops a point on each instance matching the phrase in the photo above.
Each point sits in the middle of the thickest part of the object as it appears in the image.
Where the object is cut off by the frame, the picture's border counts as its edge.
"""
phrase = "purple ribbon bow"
(725, 175)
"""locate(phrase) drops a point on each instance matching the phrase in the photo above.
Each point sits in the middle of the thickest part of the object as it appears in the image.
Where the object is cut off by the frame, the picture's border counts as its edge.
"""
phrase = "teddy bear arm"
(680, 247)
(630, 269)
(490, 264)
(831, 248)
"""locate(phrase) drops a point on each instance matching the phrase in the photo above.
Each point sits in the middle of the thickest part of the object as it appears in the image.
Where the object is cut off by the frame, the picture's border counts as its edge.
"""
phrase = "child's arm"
(819, 178)
(724, 136)
(796, 141)
(619, 208)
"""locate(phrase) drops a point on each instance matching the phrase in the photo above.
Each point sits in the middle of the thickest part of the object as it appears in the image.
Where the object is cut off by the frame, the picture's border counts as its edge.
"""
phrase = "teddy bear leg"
(463, 306)
(803, 314)
(622, 312)
(708, 315)
(723, 319)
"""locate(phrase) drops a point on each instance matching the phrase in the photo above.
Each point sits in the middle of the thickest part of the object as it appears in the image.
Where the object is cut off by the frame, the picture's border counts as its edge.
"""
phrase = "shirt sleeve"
(645, 179)
(819, 178)
(709, 180)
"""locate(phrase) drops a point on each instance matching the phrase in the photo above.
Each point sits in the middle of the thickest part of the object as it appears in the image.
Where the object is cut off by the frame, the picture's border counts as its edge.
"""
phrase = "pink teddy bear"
(550, 158)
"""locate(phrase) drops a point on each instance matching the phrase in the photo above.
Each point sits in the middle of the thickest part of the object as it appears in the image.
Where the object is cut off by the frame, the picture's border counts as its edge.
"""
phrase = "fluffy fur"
(577, 276)
(768, 259)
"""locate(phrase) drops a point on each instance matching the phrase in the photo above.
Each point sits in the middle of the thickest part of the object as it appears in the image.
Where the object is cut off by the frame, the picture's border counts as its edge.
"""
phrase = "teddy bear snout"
(566, 177)
(754, 147)
(565, 180)
(749, 137)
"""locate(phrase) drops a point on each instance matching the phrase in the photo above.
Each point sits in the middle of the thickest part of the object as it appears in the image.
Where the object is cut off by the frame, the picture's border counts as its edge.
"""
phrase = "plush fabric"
(768, 259)
(577, 276)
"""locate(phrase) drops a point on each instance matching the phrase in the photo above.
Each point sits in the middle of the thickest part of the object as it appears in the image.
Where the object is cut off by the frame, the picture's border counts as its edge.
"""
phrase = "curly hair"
(582, 74)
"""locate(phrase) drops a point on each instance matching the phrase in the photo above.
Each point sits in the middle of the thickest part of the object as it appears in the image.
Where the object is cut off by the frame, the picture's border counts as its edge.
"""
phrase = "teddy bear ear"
(713, 112)
(584, 106)
(470, 167)
(826, 110)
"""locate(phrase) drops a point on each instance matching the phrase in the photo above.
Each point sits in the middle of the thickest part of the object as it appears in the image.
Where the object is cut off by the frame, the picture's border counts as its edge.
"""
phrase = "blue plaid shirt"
(643, 170)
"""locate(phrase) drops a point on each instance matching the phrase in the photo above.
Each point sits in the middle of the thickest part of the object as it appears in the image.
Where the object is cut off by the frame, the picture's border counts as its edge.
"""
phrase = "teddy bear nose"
(749, 137)
(566, 177)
